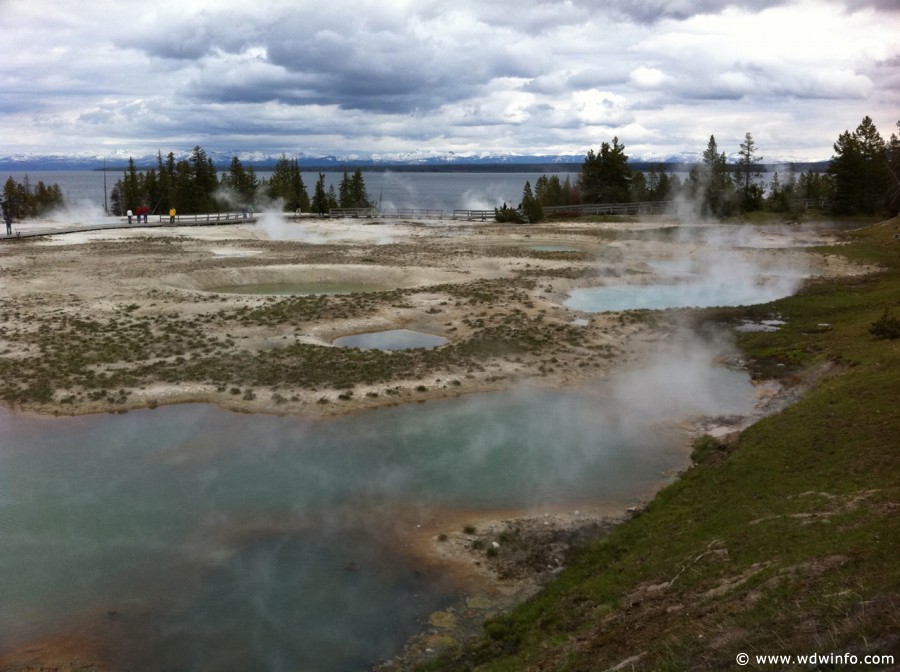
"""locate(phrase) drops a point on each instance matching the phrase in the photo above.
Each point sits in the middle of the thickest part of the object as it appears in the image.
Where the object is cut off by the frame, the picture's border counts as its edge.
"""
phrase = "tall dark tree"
(549, 191)
(131, 187)
(286, 184)
(320, 196)
(332, 198)
(858, 171)
(167, 197)
(812, 185)
(710, 183)
(150, 190)
(605, 176)
(242, 181)
(638, 187)
(748, 164)
(893, 176)
(784, 195)
(185, 198)
(204, 181)
(531, 207)
(352, 191)
(345, 197)
(658, 183)
(778, 198)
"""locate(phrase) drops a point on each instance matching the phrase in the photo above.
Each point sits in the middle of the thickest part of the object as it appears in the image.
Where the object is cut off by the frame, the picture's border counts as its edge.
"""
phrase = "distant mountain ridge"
(400, 161)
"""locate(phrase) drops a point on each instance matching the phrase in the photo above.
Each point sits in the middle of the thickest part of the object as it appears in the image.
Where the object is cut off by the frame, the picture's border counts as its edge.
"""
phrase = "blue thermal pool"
(392, 339)
(189, 537)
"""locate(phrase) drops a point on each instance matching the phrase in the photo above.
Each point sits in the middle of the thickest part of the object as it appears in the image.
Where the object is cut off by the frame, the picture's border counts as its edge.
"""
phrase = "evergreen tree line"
(863, 177)
(21, 200)
(192, 186)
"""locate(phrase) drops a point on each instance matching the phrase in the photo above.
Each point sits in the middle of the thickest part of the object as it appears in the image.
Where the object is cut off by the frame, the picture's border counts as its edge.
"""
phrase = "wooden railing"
(478, 215)
(387, 214)
(641, 208)
(354, 212)
(205, 218)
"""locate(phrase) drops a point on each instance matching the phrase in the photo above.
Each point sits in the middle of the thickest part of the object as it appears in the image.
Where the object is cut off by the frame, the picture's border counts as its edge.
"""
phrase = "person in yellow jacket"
(171, 215)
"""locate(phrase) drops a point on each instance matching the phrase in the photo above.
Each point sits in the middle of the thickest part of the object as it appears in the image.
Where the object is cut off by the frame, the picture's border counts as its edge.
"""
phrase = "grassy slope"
(785, 543)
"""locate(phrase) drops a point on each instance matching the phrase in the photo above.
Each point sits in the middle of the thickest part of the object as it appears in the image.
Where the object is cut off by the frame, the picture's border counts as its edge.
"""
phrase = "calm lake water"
(192, 538)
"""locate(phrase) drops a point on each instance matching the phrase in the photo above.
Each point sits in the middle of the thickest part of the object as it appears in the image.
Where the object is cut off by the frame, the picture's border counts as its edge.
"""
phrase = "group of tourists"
(141, 214)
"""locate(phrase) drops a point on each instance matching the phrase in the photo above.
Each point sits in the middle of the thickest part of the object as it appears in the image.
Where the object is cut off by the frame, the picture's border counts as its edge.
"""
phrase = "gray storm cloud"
(347, 77)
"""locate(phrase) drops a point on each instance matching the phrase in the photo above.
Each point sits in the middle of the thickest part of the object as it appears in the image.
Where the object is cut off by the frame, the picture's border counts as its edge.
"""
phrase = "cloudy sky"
(112, 77)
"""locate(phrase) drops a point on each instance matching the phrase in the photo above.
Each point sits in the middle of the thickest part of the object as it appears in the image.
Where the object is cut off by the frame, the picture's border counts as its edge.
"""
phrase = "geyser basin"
(191, 537)
(312, 279)
(392, 339)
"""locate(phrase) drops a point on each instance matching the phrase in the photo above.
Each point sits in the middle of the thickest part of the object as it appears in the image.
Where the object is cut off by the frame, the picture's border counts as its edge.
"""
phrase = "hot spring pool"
(678, 295)
(392, 339)
(188, 537)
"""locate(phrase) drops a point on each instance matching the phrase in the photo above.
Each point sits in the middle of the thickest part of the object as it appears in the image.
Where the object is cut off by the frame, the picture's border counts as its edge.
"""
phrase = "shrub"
(704, 447)
(508, 214)
(886, 326)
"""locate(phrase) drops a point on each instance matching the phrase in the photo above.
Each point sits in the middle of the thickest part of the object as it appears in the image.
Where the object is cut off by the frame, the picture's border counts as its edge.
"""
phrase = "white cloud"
(345, 76)
(648, 78)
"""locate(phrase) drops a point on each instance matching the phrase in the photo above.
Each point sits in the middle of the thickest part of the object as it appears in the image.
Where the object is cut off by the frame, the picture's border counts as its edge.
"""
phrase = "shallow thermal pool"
(392, 339)
(188, 537)
(709, 277)
(685, 294)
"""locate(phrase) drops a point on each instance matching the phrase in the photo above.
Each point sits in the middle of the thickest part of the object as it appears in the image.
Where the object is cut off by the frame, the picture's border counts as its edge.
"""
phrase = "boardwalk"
(28, 229)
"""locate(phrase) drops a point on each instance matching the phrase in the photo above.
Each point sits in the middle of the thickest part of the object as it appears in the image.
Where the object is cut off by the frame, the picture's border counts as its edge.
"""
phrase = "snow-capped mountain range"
(117, 160)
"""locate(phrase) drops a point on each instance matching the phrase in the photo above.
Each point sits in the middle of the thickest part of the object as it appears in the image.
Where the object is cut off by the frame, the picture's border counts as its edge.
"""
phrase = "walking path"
(33, 229)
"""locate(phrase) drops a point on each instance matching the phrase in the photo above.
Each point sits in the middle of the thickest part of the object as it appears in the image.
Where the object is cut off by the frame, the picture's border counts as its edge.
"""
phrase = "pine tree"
(242, 181)
(360, 195)
(711, 182)
(204, 181)
(530, 207)
(893, 176)
(751, 190)
(286, 185)
(858, 171)
(605, 177)
(345, 199)
(320, 198)
(131, 187)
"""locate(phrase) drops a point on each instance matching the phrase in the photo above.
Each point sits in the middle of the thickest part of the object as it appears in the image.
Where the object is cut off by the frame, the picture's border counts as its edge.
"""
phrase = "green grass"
(785, 542)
